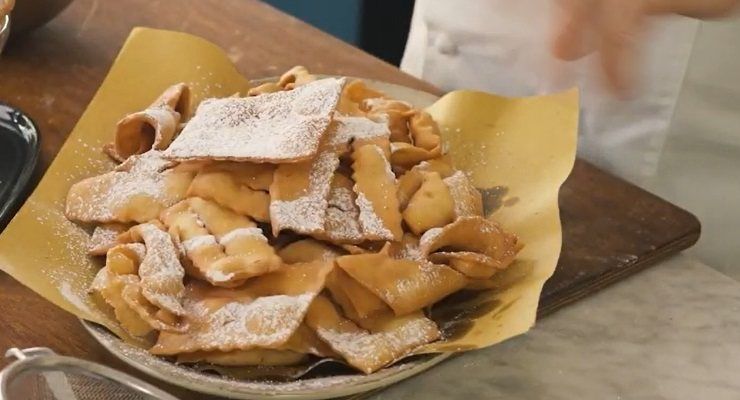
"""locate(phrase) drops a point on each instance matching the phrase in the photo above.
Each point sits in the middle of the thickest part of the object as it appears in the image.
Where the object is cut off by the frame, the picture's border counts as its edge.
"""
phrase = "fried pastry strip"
(240, 187)
(136, 191)
(265, 313)
(304, 342)
(390, 339)
(405, 285)
(153, 128)
(431, 206)
(225, 248)
(307, 250)
(375, 186)
(160, 270)
(471, 235)
(468, 200)
(342, 223)
(104, 238)
(277, 127)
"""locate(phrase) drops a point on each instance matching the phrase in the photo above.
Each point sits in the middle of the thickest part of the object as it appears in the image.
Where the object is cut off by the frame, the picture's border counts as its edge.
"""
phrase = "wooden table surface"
(52, 74)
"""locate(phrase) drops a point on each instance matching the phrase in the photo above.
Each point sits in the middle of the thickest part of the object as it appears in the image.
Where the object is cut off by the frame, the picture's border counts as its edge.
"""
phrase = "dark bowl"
(31, 14)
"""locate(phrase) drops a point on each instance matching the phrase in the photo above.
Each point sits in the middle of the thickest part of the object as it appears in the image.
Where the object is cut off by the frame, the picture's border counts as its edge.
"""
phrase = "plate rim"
(99, 333)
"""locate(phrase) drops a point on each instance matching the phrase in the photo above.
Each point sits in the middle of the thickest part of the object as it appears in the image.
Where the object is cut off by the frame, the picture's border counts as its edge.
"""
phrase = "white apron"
(503, 46)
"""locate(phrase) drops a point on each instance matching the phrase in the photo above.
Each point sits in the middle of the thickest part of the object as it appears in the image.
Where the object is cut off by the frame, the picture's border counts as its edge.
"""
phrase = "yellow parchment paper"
(519, 151)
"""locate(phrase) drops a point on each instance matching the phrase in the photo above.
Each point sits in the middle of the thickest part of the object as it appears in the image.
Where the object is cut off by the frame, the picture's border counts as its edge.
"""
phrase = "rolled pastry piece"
(424, 131)
(160, 272)
(110, 287)
(472, 265)
(153, 128)
(294, 77)
(118, 284)
(412, 179)
(176, 98)
(405, 155)
(353, 96)
(137, 133)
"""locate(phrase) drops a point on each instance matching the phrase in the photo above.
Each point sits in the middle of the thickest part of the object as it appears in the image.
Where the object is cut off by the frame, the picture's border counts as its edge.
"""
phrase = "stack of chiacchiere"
(311, 218)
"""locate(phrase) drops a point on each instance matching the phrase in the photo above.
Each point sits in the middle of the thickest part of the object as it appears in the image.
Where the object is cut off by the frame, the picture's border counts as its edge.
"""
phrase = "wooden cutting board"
(611, 228)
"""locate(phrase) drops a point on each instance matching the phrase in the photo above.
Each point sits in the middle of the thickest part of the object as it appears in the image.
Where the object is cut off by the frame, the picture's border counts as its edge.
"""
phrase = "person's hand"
(613, 28)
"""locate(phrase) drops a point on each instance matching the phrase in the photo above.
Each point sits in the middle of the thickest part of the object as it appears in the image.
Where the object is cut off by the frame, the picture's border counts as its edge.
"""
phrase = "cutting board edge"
(591, 286)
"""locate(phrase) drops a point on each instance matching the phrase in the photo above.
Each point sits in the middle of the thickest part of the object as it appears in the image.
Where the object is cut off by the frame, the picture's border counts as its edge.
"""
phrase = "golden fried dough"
(405, 285)
(104, 237)
(225, 248)
(391, 339)
(136, 191)
(265, 313)
(475, 235)
(375, 186)
(240, 187)
(431, 206)
(276, 127)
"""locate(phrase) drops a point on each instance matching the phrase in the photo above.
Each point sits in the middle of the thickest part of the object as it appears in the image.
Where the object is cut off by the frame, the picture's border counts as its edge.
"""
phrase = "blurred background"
(379, 27)
(703, 132)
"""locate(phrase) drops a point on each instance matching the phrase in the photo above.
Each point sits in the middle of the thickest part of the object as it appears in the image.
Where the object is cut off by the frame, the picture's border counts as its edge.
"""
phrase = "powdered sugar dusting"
(217, 276)
(428, 277)
(370, 222)
(411, 251)
(466, 198)
(347, 129)
(239, 324)
(242, 232)
(195, 242)
(69, 293)
(307, 213)
(371, 351)
(429, 237)
(100, 198)
(104, 237)
(342, 216)
(281, 126)
(160, 271)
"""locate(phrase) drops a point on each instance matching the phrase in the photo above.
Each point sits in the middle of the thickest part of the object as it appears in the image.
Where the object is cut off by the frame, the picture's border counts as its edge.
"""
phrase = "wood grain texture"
(611, 228)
